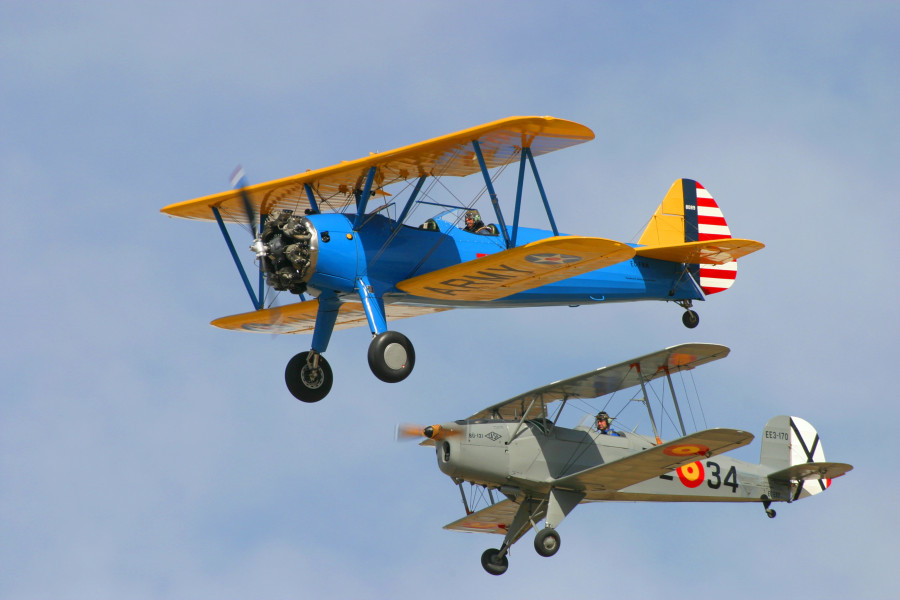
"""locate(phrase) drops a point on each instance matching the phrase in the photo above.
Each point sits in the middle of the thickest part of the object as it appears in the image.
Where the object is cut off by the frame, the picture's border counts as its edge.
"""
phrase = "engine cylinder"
(292, 247)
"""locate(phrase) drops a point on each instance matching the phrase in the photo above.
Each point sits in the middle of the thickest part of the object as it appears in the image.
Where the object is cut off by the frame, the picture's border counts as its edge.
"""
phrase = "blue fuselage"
(381, 254)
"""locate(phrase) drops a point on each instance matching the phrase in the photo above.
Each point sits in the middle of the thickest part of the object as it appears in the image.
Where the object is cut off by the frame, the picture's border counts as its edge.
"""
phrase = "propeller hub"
(259, 248)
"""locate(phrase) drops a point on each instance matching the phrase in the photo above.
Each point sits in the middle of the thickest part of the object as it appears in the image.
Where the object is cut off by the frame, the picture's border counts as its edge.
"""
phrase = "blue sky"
(145, 454)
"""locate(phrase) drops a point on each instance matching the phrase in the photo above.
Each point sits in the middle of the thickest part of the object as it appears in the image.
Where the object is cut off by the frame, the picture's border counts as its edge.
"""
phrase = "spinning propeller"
(239, 182)
(407, 431)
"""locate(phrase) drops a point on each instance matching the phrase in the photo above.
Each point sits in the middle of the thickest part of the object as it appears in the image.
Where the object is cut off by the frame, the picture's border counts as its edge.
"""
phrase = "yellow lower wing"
(518, 269)
(710, 252)
(301, 317)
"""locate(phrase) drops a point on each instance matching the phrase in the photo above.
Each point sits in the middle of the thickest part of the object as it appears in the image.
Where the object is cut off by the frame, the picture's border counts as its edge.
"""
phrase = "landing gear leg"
(308, 376)
(494, 561)
(391, 354)
(770, 512)
(559, 504)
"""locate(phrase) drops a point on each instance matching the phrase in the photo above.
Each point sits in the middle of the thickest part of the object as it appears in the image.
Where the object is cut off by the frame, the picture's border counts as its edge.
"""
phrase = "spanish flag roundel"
(691, 475)
(686, 449)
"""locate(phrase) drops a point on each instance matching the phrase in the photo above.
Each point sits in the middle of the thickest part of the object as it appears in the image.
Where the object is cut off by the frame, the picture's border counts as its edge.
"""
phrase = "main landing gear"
(495, 562)
(308, 376)
(391, 356)
(546, 543)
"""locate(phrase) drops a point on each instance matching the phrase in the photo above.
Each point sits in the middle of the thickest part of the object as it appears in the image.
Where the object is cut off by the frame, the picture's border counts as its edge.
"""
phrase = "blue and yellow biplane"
(340, 236)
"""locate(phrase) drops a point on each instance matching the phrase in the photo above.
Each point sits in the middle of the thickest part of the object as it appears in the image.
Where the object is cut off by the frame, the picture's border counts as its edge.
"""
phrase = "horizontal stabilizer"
(494, 519)
(518, 269)
(656, 461)
(812, 470)
(301, 317)
(709, 252)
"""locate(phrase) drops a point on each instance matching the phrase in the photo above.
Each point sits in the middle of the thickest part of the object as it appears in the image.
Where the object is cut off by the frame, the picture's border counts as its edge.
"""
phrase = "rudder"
(689, 213)
(789, 443)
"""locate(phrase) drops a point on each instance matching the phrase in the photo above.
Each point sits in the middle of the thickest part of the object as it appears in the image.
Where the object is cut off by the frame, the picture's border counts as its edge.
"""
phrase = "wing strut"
(674, 400)
(311, 197)
(491, 192)
(646, 400)
(364, 199)
(527, 154)
(257, 300)
(459, 482)
(411, 201)
(522, 420)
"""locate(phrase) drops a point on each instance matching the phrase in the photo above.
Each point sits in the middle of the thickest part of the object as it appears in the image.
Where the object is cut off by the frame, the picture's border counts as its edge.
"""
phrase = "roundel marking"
(551, 258)
(686, 450)
(691, 475)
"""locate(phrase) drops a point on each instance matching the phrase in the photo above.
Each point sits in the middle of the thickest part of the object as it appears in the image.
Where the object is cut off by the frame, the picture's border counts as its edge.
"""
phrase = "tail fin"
(688, 213)
(792, 447)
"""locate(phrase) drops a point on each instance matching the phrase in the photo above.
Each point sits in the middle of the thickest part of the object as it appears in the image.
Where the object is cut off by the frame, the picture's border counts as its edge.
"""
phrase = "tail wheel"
(391, 356)
(493, 563)
(305, 382)
(546, 542)
(690, 319)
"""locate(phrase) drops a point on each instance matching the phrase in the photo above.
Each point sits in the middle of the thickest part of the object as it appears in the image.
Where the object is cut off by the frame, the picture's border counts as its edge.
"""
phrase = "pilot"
(474, 224)
(603, 421)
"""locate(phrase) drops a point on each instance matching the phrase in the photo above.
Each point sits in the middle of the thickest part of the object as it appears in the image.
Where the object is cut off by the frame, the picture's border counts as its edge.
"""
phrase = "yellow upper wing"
(518, 269)
(301, 317)
(500, 141)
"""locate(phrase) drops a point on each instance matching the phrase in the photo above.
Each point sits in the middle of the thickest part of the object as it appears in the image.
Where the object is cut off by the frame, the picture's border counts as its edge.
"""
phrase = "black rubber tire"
(546, 542)
(300, 389)
(690, 319)
(391, 356)
(491, 564)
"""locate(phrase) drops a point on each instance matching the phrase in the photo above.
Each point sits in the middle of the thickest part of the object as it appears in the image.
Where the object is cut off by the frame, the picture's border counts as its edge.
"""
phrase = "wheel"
(305, 383)
(690, 319)
(493, 563)
(391, 356)
(770, 512)
(546, 542)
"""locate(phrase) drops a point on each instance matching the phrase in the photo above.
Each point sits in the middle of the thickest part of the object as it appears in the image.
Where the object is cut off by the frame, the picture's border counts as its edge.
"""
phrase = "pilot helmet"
(473, 214)
(602, 416)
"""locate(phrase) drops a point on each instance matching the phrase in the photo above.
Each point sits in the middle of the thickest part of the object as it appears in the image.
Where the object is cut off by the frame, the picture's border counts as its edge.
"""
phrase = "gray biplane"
(545, 470)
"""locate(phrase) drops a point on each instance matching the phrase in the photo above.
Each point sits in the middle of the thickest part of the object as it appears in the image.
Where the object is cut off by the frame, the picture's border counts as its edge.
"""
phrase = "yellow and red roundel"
(686, 450)
(691, 475)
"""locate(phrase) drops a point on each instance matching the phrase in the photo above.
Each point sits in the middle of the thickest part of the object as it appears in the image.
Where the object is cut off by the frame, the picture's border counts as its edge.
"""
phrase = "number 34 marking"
(715, 479)
(692, 476)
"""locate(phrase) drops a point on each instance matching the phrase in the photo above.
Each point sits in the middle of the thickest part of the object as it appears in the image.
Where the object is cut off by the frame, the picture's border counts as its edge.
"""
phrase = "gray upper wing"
(605, 380)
